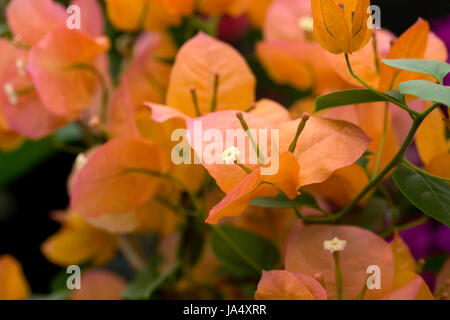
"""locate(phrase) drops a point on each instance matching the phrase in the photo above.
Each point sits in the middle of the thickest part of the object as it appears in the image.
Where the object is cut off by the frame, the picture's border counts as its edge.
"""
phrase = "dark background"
(25, 204)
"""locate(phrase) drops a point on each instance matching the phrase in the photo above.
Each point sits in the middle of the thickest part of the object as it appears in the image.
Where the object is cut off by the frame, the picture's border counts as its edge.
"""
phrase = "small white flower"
(20, 65)
(334, 244)
(80, 161)
(230, 155)
(306, 24)
(11, 94)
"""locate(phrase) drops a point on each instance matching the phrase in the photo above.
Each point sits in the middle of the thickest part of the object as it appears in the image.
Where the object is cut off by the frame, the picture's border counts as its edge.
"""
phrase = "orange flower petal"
(271, 110)
(257, 11)
(13, 284)
(253, 186)
(28, 116)
(103, 185)
(124, 14)
(290, 12)
(285, 285)
(180, 7)
(409, 286)
(324, 146)
(403, 259)
(197, 64)
(305, 254)
(63, 87)
(411, 44)
(430, 138)
(360, 33)
(78, 242)
(92, 22)
(439, 166)
(226, 175)
(331, 29)
(363, 61)
(343, 185)
(30, 21)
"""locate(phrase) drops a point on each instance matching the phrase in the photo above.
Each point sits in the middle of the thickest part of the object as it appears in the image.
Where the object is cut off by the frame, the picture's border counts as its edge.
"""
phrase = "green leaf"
(351, 96)
(426, 90)
(281, 201)
(431, 196)
(437, 69)
(15, 164)
(147, 282)
(242, 252)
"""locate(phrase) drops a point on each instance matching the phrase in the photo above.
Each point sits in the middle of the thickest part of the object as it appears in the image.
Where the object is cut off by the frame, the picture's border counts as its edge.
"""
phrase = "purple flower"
(441, 27)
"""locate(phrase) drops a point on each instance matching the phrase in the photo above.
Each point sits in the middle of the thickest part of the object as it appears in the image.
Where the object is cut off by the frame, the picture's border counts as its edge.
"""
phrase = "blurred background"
(33, 178)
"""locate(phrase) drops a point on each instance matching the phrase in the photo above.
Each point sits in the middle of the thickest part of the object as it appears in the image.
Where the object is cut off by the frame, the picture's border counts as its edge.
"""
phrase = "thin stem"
(375, 52)
(383, 139)
(255, 145)
(103, 84)
(131, 253)
(363, 291)
(195, 101)
(338, 276)
(410, 165)
(215, 93)
(412, 113)
(300, 128)
(244, 167)
(405, 226)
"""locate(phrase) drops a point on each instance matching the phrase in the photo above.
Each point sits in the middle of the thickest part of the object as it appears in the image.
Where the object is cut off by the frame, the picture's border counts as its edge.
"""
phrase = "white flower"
(20, 65)
(11, 94)
(230, 155)
(306, 24)
(334, 244)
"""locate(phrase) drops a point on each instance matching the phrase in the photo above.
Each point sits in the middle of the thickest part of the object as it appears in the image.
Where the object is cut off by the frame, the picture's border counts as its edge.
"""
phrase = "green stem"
(363, 291)
(375, 52)
(300, 128)
(410, 165)
(195, 102)
(383, 139)
(394, 162)
(405, 226)
(412, 113)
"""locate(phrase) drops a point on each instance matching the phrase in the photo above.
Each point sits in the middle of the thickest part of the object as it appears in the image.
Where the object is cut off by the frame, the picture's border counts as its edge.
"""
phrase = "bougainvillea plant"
(267, 149)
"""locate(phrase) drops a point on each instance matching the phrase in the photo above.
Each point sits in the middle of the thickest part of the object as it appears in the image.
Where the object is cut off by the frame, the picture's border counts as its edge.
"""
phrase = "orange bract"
(341, 26)
(30, 21)
(13, 284)
(256, 185)
(197, 64)
(78, 242)
(305, 254)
